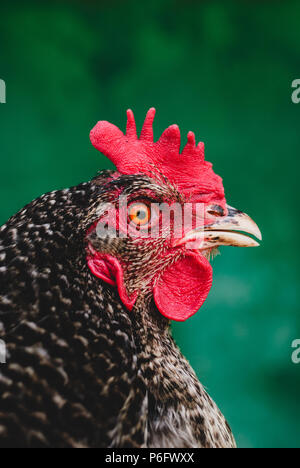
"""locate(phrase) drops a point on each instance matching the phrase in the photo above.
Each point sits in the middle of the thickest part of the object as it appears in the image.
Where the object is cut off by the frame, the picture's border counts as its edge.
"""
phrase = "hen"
(90, 279)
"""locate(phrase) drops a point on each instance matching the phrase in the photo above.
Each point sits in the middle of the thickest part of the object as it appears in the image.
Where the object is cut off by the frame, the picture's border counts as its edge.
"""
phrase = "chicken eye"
(139, 214)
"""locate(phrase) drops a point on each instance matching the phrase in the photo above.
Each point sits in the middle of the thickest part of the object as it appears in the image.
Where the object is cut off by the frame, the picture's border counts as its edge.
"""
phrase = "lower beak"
(235, 230)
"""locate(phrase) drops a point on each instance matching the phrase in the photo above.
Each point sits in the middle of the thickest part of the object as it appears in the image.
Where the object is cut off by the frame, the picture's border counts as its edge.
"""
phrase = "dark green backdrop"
(224, 70)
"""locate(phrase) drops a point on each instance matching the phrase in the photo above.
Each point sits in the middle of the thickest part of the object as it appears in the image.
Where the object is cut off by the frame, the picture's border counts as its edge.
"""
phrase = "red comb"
(132, 155)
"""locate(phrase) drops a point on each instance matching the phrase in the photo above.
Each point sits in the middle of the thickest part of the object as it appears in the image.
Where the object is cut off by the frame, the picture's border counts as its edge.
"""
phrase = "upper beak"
(235, 229)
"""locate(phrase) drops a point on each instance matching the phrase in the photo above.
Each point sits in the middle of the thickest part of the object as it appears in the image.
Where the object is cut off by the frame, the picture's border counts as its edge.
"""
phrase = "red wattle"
(107, 268)
(183, 287)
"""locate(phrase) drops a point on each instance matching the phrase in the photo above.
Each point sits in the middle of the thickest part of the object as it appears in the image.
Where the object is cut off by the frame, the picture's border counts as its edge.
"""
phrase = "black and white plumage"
(86, 318)
(82, 370)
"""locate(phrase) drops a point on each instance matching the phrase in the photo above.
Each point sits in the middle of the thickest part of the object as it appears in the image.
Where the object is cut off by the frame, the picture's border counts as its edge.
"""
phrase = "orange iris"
(139, 214)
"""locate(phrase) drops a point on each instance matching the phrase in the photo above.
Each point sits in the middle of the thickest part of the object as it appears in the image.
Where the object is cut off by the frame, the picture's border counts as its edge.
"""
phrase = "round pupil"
(141, 214)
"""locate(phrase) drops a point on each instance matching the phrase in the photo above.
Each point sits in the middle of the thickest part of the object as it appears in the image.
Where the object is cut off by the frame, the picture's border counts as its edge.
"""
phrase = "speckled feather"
(83, 371)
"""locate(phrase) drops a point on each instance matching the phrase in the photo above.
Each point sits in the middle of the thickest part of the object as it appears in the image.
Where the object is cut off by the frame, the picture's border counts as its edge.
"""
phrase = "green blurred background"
(223, 70)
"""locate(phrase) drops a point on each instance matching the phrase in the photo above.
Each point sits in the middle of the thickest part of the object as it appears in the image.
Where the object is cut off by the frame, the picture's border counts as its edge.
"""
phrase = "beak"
(235, 230)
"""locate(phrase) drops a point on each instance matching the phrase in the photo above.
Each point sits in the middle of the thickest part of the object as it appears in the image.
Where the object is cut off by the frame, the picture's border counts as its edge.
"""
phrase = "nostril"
(216, 210)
